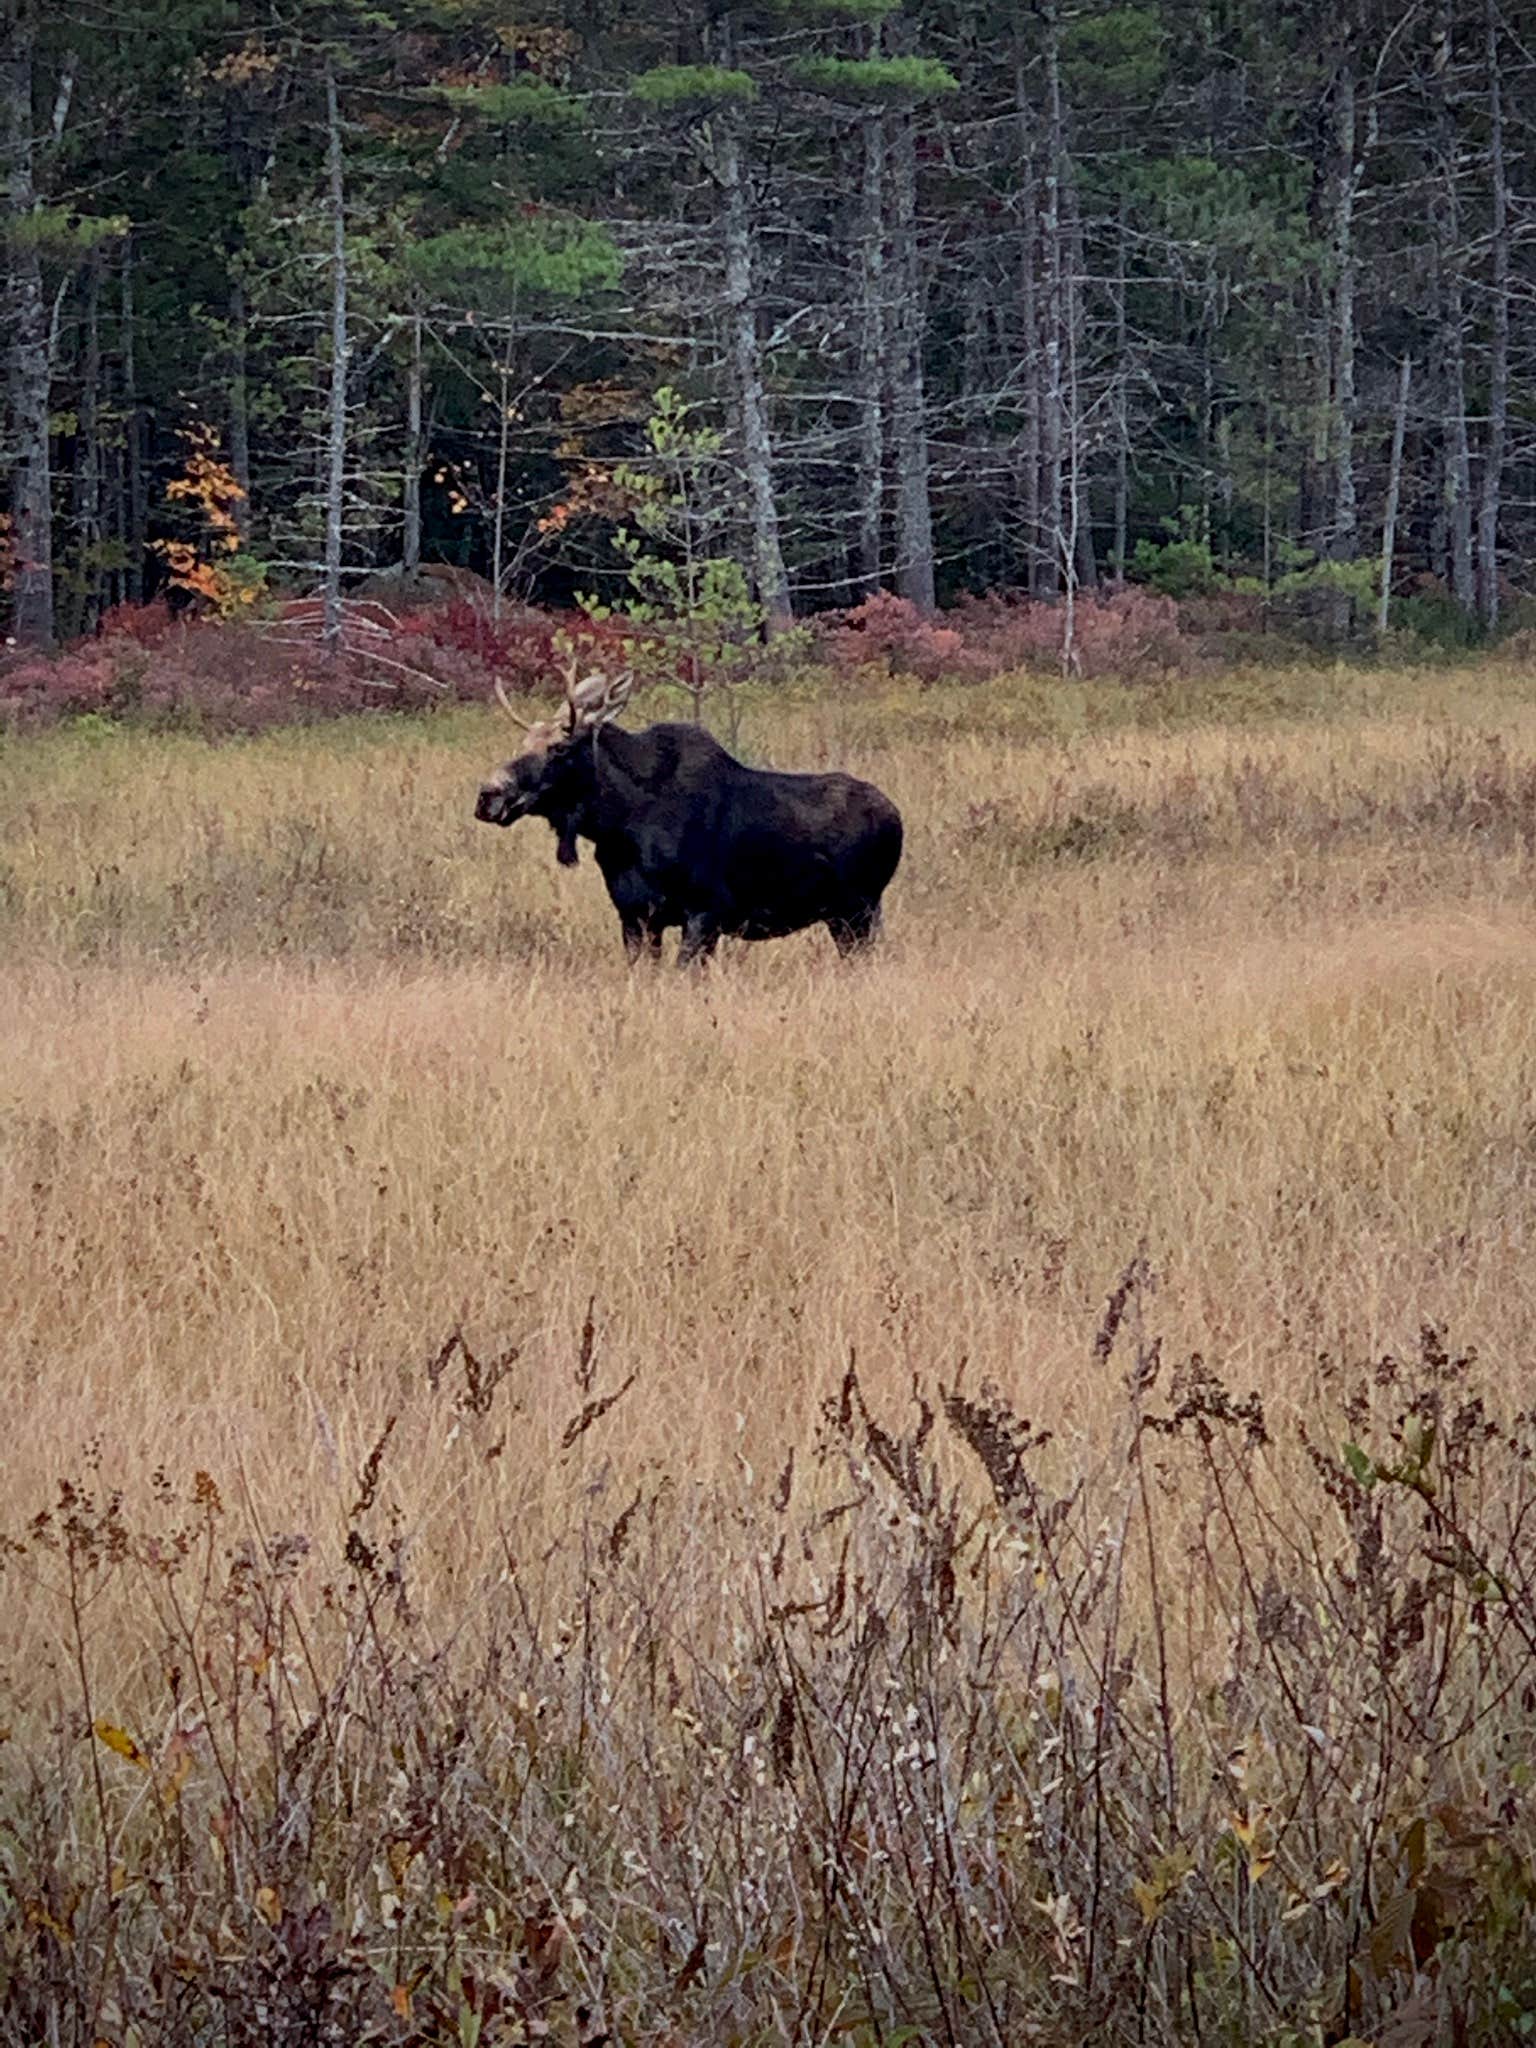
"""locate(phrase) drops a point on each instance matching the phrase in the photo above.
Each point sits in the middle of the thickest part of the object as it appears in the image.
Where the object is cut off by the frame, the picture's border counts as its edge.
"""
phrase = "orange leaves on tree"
(546, 52)
(591, 489)
(209, 484)
(209, 487)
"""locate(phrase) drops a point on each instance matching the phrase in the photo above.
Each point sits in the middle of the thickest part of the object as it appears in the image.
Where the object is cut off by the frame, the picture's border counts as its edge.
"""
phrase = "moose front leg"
(701, 935)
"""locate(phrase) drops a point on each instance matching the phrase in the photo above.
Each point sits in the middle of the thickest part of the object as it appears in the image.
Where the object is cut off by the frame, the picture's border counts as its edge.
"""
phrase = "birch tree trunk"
(904, 330)
(1498, 360)
(29, 366)
(336, 443)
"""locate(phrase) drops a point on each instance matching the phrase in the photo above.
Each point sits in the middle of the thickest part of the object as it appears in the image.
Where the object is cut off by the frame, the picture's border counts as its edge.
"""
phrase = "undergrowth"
(933, 1735)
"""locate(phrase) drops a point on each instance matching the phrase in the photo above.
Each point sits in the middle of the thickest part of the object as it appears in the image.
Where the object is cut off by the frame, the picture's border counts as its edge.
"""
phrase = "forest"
(934, 298)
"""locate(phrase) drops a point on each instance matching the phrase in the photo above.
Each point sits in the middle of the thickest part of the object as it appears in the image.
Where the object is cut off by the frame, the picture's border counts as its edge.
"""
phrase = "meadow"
(979, 1495)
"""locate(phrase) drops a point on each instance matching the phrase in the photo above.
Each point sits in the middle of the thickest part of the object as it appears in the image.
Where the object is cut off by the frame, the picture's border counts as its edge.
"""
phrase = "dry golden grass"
(304, 1070)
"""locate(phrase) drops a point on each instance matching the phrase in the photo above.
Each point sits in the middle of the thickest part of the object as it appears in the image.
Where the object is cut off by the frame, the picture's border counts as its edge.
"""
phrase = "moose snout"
(493, 806)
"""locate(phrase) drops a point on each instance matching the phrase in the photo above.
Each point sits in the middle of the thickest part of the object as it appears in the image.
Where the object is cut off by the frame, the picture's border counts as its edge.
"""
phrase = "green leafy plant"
(704, 627)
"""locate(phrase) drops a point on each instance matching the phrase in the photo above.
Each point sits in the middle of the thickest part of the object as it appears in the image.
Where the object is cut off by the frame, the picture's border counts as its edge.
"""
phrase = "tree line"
(970, 294)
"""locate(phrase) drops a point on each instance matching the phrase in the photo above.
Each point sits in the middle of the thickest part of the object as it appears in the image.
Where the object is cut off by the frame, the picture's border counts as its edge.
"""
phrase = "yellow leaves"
(60, 1925)
(122, 1744)
(250, 64)
(1153, 1892)
(175, 1768)
(544, 51)
(1255, 1837)
(209, 485)
(269, 1904)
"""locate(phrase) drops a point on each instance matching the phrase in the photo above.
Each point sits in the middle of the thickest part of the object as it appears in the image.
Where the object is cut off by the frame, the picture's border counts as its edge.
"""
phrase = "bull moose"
(686, 835)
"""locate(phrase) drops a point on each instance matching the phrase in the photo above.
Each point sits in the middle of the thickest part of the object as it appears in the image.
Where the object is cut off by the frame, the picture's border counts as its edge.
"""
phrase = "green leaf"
(879, 80)
(1362, 1467)
(693, 85)
(489, 268)
(527, 100)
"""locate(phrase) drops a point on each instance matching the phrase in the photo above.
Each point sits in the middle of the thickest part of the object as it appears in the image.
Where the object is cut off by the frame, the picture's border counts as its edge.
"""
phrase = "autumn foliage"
(212, 651)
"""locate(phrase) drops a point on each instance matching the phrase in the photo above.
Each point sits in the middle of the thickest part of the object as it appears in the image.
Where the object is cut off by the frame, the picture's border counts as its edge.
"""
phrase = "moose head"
(551, 777)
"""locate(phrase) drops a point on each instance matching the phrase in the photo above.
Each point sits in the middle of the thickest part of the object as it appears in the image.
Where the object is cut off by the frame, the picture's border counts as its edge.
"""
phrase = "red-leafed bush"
(1130, 632)
(228, 676)
(893, 632)
(147, 624)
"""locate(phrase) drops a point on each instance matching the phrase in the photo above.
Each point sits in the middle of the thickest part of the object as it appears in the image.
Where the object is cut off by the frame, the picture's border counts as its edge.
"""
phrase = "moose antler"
(598, 699)
(593, 701)
(506, 704)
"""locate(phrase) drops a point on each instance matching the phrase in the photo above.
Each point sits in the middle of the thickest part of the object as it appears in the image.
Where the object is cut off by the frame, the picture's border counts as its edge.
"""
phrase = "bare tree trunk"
(747, 364)
(1342, 424)
(133, 431)
(1085, 568)
(503, 438)
(84, 603)
(239, 408)
(1498, 363)
(1035, 557)
(869, 457)
(1122, 403)
(909, 425)
(1394, 487)
(29, 366)
(1458, 458)
(1052, 436)
(1071, 662)
(336, 445)
(410, 540)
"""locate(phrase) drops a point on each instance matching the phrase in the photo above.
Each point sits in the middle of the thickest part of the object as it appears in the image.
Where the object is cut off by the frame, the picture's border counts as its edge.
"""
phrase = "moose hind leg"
(856, 930)
(642, 937)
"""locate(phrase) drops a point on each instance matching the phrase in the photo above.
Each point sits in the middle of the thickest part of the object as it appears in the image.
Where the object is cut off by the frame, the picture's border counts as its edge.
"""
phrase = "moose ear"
(620, 691)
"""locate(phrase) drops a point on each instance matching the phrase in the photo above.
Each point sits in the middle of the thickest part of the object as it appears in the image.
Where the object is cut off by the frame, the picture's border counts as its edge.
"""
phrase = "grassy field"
(1219, 996)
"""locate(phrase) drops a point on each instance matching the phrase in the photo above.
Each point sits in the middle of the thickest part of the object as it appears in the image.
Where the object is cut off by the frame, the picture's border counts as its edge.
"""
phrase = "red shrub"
(1128, 632)
(891, 630)
(147, 624)
(243, 676)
